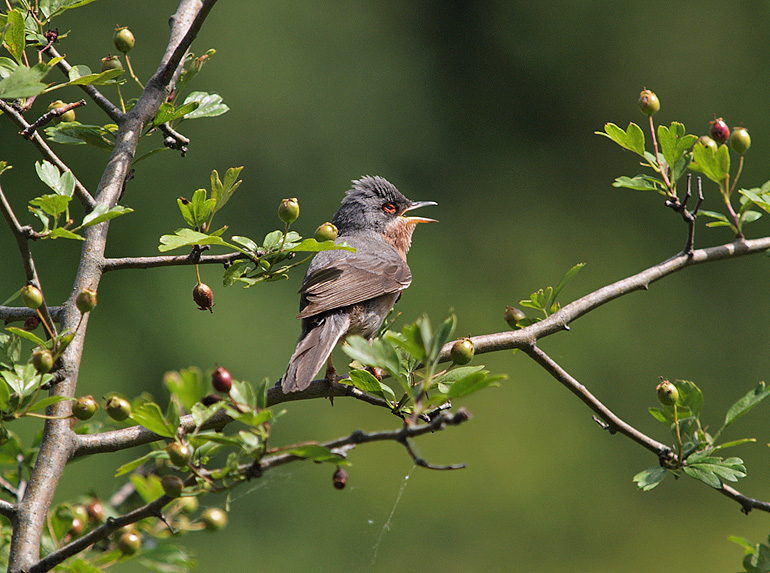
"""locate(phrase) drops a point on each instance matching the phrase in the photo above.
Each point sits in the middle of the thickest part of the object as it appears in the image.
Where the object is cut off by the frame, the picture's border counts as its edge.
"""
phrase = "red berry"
(340, 478)
(221, 380)
(719, 130)
(203, 297)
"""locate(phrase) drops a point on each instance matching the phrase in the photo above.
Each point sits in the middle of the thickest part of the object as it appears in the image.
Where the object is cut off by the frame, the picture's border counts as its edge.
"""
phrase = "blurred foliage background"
(488, 108)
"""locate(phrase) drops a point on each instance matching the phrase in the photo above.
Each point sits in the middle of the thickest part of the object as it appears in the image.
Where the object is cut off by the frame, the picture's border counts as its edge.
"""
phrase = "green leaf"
(760, 201)
(187, 238)
(168, 113)
(221, 191)
(45, 402)
(473, 383)
(167, 558)
(649, 478)
(48, 173)
(188, 385)
(631, 139)
(207, 105)
(690, 396)
(15, 35)
(52, 204)
(246, 243)
(7, 65)
(378, 353)
(641, 183)
(133, 464)
(89, 79)
(366, 382)
(28, 335)
(60, 233)
(673, 142)
(148, 488)
(23, 82)
(76, 133)
(316, 453)
(100, 213)
(568, 276)
(745, 404)
(714, 165)
(5, 395)
(150, 416)
(51, 8)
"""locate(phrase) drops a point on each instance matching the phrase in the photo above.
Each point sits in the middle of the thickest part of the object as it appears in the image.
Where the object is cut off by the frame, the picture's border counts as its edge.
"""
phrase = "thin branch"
(22, 313)
(80, 190)
(7, 509)
(117, 264)
(747, 503)
(48, 116)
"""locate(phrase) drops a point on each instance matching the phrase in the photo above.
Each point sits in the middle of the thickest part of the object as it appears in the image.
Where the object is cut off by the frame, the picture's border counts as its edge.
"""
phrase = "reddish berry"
(340, 478)
(649, 102)
(719, 130)
(203, 297)
(221, 380)
(95, 511)
(31, 322)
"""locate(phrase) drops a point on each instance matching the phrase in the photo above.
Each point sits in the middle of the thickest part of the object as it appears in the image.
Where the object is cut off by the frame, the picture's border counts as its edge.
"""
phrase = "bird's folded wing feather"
(350, 278)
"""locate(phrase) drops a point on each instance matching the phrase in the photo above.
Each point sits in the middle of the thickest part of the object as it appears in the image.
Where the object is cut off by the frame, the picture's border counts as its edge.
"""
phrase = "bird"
(345, 292)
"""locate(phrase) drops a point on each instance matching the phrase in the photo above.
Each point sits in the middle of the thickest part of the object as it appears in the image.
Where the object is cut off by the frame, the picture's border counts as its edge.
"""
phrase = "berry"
(77, 527)
(86, 300)
(648, 102)
(288, 210)
(172, 486)
(707, 142)
(513, 316)
(95, 511)
(31, 297)
(221, 380)
(740, 140)
(326, 232)
(84, 407)
(111, 63)
(129, 543)
(340, 478)
(188, 504)
(117, 408)
(31, 322)
(719, 130)
(462, 351)
(203, 297)
(214, 519)
(123, 39)
(68, 115)
(178, 453)
(667, 393)
(42, 360)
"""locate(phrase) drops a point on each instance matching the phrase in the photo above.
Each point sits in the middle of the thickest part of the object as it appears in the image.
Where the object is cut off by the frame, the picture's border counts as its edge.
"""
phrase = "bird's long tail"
(313, 349)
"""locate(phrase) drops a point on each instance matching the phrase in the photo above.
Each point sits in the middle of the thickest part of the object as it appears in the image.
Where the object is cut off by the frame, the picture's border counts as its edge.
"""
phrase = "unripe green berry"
(462, 351)
(111, 63)
(129, 543)
(740, 140)
(326, 232)
(86, 300)
(513, 316)
(117, 408)
(172, 486)
(667, 393)
(31, 297)
(649, 102)
(123, 39)
(42, 360)
(68, 115)
(84, 407)
(178, 453)
(214, 519)
(288, 211)
(708, 143)
(188, 504)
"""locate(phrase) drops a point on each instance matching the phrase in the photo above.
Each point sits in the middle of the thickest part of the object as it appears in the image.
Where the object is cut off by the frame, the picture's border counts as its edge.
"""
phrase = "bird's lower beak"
(415, 205)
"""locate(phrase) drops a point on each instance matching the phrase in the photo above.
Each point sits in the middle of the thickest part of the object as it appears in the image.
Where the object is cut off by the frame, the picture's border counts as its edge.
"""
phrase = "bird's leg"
(331, 377)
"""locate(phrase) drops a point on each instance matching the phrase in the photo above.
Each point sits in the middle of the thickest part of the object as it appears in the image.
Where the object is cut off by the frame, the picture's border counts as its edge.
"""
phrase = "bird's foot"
(331, 377)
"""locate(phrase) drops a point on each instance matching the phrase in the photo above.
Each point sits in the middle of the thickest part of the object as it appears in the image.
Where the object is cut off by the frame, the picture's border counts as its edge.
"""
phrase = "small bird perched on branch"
(344, 292)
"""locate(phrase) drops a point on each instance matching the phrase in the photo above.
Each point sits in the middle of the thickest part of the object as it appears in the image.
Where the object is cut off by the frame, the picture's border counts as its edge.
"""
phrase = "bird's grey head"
(372, 204)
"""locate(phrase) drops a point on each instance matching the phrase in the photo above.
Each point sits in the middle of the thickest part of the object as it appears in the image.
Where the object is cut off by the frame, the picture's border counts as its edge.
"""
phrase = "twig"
(116, 264)
(27, 132)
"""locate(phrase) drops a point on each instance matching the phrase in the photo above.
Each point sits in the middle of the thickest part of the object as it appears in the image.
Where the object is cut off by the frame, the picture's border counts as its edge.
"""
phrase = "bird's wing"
(342, 278)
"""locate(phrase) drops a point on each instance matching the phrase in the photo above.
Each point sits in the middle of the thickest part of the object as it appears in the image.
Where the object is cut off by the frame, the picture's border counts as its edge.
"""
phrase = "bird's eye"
(389, 208)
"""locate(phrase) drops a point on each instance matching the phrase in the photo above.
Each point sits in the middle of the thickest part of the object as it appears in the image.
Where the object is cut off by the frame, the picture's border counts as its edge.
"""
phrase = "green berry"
(42, 360)
(214, 519)
(123, 39)
(86, 300)
(68, 115)
(648, 102)
(172, 486)
(117, 408)
(188, 504)
(31, 297)
(129, 543)
(740, 140)
(326, 232)
(288, 211)
(111, 63)
(667, 393)
(84, 407)
(513, 316)
(178, 453)
(462, 351)
(708, 143)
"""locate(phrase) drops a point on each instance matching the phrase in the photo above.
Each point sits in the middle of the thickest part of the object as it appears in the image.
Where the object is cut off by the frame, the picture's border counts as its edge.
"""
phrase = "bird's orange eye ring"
(389, 208)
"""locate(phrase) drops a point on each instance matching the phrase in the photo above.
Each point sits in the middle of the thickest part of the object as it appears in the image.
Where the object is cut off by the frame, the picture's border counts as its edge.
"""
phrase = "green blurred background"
(488, 108)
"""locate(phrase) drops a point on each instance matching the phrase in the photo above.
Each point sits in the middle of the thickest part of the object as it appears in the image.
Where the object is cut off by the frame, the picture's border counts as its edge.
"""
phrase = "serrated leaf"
(714, 165)
(208, 105)
(14, 40)
(706, 477)
(649, 478)
(674, 142)
(151, 417)
(23, 82)
(221, 191)
(187, 238)
(52, 204)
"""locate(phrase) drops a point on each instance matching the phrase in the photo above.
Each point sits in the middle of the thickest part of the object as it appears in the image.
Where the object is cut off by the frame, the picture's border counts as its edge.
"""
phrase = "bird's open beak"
(415, 205)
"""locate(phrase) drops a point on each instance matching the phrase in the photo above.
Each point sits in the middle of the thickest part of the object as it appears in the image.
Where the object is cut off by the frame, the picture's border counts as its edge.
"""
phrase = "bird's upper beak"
(415, 205)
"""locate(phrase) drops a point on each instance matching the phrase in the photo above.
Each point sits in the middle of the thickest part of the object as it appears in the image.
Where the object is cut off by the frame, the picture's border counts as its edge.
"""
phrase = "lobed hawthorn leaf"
(188, 238)
(221, 191)
(366, 382)
(52, 204)
(206, 105)
(714, 165)
(674, 142)
(650, 478)
(15, 35)
(632, 138)
(641, 183)
(151, 417)
(24, 82)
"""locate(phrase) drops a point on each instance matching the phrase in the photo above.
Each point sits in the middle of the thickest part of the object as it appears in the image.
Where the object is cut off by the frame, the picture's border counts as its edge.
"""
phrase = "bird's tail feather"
(313, 349)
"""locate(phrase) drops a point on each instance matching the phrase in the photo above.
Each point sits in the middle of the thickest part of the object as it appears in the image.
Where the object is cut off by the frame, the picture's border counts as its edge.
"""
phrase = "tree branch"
(119, 264)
